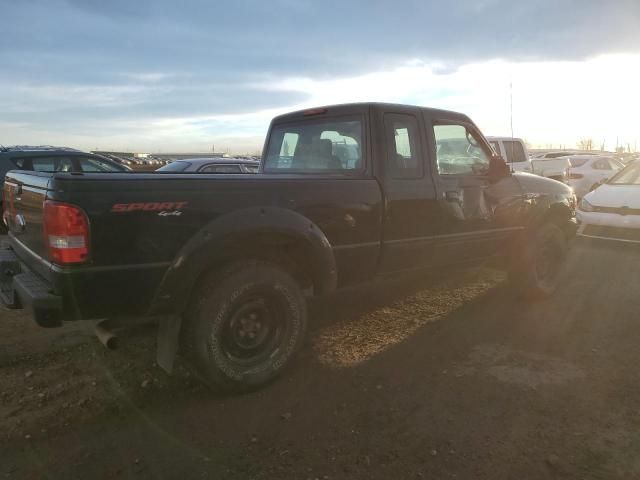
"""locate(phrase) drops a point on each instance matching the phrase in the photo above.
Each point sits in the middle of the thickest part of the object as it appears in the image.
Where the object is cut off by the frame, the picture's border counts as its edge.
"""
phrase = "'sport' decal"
(165, 208)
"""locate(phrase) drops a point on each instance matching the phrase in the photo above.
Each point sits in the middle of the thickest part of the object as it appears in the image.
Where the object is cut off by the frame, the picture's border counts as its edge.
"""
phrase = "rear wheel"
(535, 273)
(246, 324)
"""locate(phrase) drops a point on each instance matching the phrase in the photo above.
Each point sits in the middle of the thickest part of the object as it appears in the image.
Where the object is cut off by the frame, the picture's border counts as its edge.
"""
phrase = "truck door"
(479, 212)
(411, 208)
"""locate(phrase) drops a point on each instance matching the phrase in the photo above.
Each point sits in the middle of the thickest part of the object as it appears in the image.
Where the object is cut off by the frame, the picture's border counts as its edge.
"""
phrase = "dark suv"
(53, 159)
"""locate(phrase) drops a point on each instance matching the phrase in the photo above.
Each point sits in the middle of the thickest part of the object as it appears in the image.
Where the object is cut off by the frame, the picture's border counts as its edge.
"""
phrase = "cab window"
(316, 146)
(50, 164)
(404, 159)
(458, 151)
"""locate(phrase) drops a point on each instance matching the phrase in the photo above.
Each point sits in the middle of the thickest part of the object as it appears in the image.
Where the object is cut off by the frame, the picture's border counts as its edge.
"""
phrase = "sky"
(190, 75)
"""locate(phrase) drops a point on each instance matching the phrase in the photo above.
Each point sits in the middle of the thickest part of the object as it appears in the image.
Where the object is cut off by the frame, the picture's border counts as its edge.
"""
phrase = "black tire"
(535, 273)
(246, 323)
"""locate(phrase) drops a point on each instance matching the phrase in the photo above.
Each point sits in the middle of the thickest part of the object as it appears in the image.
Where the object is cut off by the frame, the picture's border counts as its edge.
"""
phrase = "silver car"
(211, 165)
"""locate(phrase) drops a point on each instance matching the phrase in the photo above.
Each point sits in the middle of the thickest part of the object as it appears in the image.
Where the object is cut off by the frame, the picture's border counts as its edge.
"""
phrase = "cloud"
(92, 66)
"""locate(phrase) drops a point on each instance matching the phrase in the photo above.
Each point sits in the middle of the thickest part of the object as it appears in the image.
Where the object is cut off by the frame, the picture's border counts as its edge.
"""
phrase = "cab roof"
(366, 107)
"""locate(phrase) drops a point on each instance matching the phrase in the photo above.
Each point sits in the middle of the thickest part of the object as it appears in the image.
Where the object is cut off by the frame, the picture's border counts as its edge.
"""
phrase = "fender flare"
(550, 207)
(208, 246)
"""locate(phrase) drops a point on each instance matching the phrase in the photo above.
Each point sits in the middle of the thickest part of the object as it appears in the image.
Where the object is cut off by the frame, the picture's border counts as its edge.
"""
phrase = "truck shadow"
(352, 326)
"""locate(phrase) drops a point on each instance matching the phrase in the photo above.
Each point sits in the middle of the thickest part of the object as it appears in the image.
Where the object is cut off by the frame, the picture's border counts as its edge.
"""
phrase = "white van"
(514, 152)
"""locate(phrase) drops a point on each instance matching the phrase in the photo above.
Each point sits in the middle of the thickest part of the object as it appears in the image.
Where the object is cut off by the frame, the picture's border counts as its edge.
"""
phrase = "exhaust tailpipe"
(105, 334)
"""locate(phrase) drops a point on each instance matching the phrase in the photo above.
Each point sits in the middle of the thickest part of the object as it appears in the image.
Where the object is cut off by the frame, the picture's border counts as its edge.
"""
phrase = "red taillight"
(576, 176)
(66, 233)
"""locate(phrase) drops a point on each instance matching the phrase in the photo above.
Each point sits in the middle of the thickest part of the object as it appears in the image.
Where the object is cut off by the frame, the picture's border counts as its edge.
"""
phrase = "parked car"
(612, 211)
(589, 171)
(53, 159)
(561, 153)
(117, 159)
(627, 158)
(514, 151)
(211, 165)
(556, 168)
(225, 262)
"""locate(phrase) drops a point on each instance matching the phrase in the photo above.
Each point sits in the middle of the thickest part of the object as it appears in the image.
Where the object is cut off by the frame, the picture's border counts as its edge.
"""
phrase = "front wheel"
(246, 324)
(535, 272)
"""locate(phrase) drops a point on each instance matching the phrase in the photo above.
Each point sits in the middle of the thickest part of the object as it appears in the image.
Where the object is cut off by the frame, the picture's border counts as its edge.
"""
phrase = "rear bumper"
(58, 294)
(21, 288)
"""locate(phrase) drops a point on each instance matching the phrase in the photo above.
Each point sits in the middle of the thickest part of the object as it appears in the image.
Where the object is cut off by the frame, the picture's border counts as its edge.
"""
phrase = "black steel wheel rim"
(254, 327)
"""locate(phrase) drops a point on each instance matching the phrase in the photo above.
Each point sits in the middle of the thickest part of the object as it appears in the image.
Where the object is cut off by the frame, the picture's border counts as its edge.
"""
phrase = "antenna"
(511, 122)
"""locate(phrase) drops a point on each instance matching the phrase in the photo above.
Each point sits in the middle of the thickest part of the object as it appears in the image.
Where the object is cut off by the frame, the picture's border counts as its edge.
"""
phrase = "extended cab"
(345, 193)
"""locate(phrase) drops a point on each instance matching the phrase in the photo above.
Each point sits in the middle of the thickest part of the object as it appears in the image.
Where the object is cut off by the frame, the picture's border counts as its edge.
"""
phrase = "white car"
(612, 211)
(588, 171)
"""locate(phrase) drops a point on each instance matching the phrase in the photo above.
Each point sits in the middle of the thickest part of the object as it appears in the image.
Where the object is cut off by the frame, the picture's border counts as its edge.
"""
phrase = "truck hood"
(615, 196)
(535, 184)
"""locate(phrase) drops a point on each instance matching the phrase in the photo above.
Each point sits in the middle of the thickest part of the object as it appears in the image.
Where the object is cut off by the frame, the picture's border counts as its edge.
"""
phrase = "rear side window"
(221, 169)
(97, 165)
(327, 145)
(50, 164)
(404, 158)
(514, 151)
(174, 167)
(577, 162)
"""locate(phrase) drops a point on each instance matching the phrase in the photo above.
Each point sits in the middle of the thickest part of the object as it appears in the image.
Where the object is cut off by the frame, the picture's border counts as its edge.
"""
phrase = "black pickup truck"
(225, 262)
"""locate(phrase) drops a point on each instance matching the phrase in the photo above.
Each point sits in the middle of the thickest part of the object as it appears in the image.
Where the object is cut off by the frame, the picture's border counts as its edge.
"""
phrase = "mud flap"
(168, 336)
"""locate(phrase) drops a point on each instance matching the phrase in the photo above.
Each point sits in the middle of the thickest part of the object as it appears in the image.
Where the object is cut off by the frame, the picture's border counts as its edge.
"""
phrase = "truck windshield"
(316, 146)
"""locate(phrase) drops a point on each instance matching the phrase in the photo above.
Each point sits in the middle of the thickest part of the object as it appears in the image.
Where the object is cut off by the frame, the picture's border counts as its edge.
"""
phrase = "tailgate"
(24, 195)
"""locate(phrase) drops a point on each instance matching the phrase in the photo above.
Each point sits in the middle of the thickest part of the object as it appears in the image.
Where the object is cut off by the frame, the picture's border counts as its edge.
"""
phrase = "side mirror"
(498, 167)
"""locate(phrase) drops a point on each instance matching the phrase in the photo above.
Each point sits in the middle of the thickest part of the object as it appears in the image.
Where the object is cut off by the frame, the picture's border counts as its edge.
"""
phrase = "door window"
(601, 164)
(404, 159)
(458, 151)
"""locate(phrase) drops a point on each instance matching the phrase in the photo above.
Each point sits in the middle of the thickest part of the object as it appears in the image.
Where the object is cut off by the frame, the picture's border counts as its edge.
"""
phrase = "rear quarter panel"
(347, 210)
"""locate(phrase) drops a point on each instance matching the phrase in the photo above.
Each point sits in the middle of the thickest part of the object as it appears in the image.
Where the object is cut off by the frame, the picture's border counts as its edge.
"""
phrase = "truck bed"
(140, 223)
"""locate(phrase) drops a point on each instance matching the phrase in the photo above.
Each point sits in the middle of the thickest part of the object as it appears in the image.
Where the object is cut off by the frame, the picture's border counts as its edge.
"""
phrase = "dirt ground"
(398, 380)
